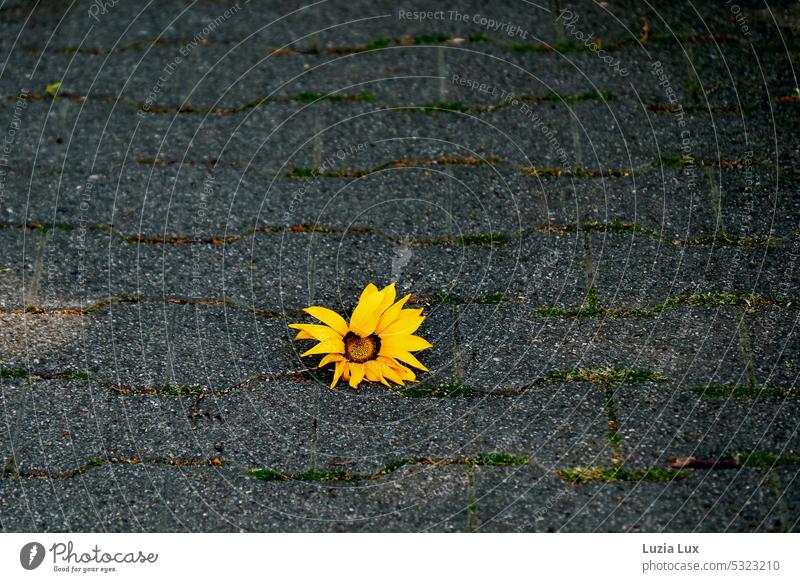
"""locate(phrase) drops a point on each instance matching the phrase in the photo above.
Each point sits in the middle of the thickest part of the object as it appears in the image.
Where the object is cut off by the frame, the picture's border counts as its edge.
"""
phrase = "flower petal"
(341, 367)
(356, 374)
(403, 356)
(303, 335)
(389, 294)
(316, 331)
(365, 315)
(403, 325)
(330, 358)
(375, 372)
(390, 314)
(404, 343)
(332, 346)
(389, 373)
(328, 317)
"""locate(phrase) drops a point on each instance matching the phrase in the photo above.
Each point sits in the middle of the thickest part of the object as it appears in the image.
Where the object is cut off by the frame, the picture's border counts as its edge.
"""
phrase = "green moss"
(395, 465)
(324, 476)
(299, 172)
(95, 462)
(728, 240)
(674, 161)
(497, 459)
(75, 375)
(491, 299)
(590, 307)
(617, 227)
(445, 298)
(452, 390)
(309, 97)
(486, 238)
(746, 300)
(767, 460)
(547, 311)
(604, 376)
(11, 373)
(727, 391)
(479, 37)
(268, 475)
(182, 390)
(378, 43)
(614, 474)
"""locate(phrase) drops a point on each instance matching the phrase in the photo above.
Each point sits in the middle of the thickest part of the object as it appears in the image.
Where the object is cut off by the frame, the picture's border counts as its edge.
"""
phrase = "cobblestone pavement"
(596, 204)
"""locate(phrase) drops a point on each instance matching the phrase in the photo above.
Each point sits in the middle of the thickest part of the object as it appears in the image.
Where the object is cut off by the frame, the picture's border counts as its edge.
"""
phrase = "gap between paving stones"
(483, 239)
(750, 302)
(604, 377)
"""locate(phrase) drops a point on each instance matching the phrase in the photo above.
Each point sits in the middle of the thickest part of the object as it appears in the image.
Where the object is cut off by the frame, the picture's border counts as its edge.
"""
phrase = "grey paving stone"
(151, 345)
(553, 426)
(431, 200)
(513, 345)
(641, 271)
(524, 500)
(153, 498)
(64, 137)
(18, 259)
(775, 345)
(659, 422)
(58, 426)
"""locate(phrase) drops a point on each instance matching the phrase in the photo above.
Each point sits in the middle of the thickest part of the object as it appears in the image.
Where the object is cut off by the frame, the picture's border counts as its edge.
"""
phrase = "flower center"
(361, 349)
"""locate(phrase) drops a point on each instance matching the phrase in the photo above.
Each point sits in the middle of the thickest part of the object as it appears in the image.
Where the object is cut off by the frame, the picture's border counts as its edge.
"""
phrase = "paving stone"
(59, 426)
(526, 500)
(118, 498)
(659, 422)
(151, 345)
(428, 201)
(641, 271)
(506, 346)
(553, 426)
(774, 338)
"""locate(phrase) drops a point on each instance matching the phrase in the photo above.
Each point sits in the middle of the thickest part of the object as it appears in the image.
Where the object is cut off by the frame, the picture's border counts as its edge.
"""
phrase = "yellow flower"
(374, 343)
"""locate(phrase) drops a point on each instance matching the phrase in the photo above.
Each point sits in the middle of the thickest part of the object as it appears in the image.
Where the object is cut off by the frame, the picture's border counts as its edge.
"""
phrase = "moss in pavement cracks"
(604, 376)
(75, 375)
(612, 475)
(339, 475)
(590, 307)
(311, 97)
(182, 390)
(486, 459)
(378, 43)
(486, 238)
(496, 460)
(765, 459)
(747, 300)
(299, 172)
(269, 475)
(452, 390)
(727, 391)
(445, 106)
(13, 373)
(588, 96)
